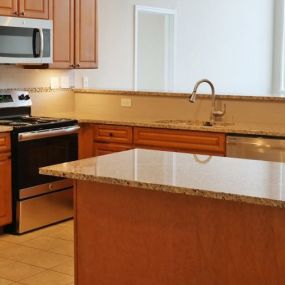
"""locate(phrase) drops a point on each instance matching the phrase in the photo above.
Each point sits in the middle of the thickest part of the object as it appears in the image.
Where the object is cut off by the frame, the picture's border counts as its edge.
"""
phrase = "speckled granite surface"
(180, 95)
(276, 130)
(241, 180)
(4, 129)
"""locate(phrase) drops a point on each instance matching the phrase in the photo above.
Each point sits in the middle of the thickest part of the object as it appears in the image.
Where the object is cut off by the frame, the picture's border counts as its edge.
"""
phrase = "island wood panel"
(144, 237)
(108, 148)
(113, 134)
(85, 141)
(177, 140)
(34, 9)
(8, 7)
(62, 14)
(85, 33)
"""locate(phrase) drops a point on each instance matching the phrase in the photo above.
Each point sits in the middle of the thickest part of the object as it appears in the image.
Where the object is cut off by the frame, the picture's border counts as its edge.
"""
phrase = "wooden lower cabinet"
(100, 139)
(5, 181)
(85, 141)
(107, 148)
(181, 141)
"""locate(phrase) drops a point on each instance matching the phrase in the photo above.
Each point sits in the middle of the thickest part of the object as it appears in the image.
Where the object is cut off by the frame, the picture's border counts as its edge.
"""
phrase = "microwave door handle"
(42, 43)
(36, 31)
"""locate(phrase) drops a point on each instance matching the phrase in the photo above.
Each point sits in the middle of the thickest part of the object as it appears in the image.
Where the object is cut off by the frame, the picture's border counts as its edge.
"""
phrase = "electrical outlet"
(126, 102)
(85, 82)
(54, 83)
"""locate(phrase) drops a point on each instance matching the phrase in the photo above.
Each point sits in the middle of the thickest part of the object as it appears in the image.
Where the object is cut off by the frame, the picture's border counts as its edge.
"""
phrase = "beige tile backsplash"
(108, 107)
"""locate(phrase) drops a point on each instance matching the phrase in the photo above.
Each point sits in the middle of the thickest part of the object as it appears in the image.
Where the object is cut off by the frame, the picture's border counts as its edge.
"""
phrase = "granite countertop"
(5, 129)
(241, 180)
(275, 130)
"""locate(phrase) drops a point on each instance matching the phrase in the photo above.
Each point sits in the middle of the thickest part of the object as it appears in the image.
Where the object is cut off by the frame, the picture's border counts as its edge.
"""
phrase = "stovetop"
(15, 111)
(28, 121)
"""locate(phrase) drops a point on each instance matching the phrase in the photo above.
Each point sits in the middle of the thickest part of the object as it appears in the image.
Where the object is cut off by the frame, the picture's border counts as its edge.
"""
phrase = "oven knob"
(27, 97)
(22, 97)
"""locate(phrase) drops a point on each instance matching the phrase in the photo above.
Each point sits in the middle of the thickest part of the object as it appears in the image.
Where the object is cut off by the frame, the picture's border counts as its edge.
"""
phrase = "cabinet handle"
(15, 13)
(72, 65)
(77, 65)
(23, 13)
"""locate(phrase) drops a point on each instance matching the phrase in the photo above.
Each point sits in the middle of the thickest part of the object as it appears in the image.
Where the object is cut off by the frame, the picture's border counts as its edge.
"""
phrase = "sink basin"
(194, 123)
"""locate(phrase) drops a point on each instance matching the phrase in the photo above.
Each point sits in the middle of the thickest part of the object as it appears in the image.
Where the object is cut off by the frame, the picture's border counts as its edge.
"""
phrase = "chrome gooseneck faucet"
(214, 113)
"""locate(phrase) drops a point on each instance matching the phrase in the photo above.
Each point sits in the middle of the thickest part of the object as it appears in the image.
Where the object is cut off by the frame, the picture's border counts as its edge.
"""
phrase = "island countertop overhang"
(240, 180)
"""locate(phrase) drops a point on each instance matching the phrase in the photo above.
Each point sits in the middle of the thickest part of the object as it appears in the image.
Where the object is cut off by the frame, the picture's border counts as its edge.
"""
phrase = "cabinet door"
(5, 190)
(34, 9)
(8, 8)
(107, 148)
(85, 34)
(181, 141)
(62, 13)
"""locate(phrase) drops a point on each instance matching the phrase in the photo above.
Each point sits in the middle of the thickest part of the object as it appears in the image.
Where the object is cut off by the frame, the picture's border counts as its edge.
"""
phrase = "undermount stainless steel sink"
(194, 123)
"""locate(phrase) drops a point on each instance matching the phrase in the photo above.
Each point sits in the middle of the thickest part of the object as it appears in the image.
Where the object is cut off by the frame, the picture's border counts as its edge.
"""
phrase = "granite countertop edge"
(5, 129)
(234, 129)
(165, 188)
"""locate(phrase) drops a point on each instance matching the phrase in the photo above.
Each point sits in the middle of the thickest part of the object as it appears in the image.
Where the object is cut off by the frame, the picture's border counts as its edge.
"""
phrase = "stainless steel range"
(38, 200)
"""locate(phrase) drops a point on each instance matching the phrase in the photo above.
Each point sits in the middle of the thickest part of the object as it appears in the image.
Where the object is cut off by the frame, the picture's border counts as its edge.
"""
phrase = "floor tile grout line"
(42, 272)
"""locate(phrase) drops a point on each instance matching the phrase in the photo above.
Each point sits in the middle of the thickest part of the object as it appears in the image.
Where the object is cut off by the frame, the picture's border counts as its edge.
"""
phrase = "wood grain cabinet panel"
(85, 34)
(107, 148)
(62, 13)
(176, 140)
(5, 180)
(113, 134)
(75, 34)
(8, 7)
(85, 141)
(34, 9)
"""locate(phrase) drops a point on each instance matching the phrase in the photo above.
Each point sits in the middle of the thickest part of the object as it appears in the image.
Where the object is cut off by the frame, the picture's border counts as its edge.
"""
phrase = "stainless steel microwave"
(25, 41)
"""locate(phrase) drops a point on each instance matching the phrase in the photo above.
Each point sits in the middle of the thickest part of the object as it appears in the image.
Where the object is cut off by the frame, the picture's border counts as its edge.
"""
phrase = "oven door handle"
(29, 136)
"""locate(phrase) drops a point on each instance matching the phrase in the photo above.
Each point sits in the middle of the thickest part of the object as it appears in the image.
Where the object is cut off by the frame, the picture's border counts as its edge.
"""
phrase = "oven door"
(42, 148)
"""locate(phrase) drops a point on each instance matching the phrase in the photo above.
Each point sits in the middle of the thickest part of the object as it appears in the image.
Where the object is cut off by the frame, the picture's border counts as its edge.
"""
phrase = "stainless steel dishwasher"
(259, 148)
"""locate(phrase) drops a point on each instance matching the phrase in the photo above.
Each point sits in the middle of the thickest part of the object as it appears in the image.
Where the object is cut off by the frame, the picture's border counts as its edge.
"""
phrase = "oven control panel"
(12, 99)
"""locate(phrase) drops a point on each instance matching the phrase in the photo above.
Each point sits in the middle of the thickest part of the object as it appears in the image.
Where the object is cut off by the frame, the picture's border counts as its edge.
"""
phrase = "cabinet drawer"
(113, 134)
(176, 140)
(5, 142)
(107, 148)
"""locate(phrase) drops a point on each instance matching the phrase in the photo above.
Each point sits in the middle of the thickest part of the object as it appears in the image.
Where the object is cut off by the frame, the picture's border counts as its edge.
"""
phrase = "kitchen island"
(150, 217)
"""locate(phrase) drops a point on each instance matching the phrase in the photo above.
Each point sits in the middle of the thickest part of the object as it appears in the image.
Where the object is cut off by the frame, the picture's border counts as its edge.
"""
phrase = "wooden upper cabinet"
(34, 9)
(62, 13)
(85, 34)
(38, 9)
(9, 7)
(74, 41)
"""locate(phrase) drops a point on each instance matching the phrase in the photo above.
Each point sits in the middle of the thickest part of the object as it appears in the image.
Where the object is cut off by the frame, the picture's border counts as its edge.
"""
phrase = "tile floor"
(43, 257)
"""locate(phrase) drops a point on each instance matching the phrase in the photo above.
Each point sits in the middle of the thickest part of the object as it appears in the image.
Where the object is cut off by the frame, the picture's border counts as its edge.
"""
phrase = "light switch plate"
(64, 82)
(126, 102)
(54, 83)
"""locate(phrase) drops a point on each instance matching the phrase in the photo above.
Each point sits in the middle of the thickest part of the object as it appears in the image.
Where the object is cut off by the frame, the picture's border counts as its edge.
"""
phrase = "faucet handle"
(220, 113)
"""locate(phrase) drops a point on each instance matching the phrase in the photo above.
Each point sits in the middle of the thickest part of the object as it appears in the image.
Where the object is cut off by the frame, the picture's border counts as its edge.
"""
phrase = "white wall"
(228, 41)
